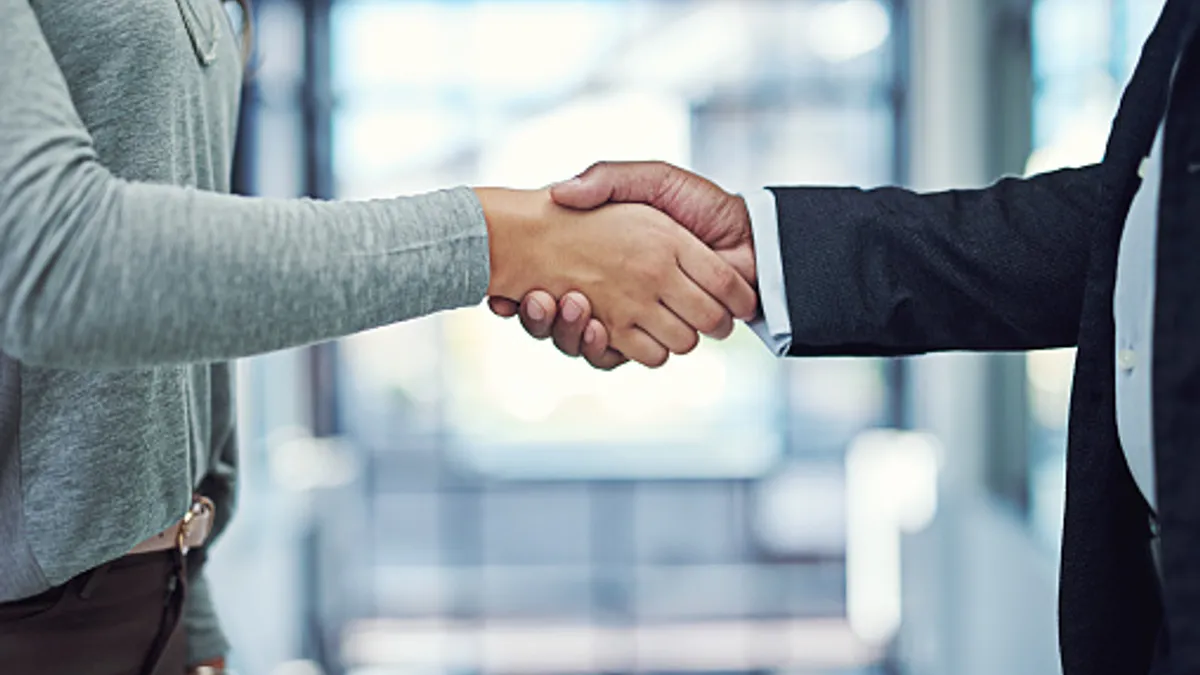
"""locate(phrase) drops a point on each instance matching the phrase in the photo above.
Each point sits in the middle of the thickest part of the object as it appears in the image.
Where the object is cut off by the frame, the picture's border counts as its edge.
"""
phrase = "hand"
(648, 280)
(717, 218)
(574, 331)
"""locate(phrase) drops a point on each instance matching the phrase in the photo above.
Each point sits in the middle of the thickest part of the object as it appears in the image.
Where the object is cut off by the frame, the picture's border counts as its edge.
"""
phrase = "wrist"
(515, 220)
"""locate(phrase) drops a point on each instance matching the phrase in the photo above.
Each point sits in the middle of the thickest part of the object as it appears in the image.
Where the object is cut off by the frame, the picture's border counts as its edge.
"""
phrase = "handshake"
(625, 261)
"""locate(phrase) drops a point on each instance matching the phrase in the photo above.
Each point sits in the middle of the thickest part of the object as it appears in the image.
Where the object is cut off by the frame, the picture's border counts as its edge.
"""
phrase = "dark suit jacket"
(1030, 264)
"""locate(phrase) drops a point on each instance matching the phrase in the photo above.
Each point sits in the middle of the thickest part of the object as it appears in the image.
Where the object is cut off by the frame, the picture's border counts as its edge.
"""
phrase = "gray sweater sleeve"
(205, 639)
(97, 272)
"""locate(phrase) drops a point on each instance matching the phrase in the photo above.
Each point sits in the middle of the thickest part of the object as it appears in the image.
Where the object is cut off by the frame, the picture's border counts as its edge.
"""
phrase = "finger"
(670, 331)
(693, 201)
(537, 313)
(609, 360)
(595, 340)
(595, 348)
(697, 308)
(718, 278)
(605, 182)
(503, 307)
(638, 345)
(574, 313)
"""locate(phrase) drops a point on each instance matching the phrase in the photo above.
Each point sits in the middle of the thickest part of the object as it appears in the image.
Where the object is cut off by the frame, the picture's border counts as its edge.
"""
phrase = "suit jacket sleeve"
(890, 272)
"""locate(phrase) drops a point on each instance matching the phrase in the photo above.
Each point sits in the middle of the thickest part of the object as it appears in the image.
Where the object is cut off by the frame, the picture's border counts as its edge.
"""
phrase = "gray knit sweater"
(127, 279)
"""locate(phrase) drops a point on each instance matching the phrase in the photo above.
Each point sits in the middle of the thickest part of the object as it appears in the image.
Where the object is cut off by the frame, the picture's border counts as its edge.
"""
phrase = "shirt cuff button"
(1127, 359)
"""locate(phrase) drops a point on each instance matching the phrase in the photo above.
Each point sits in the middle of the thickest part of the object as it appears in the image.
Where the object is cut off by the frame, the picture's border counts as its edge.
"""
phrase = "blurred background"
(449, 497)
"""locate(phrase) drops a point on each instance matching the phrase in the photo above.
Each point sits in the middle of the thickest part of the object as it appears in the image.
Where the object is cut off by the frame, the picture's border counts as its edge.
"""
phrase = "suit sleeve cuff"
(773, 325)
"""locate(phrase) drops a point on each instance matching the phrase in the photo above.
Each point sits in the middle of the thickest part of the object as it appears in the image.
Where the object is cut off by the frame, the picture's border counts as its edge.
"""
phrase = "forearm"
(889, 272)
(123, 274)
(97, 272)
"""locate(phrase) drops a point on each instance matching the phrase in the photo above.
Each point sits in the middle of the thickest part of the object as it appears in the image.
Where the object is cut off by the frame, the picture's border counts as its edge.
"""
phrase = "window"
(525, 93)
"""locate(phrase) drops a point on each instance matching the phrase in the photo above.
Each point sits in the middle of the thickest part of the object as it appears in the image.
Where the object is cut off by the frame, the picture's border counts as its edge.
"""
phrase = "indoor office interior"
(449, 497)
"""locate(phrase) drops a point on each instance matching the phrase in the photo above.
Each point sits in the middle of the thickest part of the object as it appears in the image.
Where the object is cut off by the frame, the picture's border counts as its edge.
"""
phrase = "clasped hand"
(639, 259)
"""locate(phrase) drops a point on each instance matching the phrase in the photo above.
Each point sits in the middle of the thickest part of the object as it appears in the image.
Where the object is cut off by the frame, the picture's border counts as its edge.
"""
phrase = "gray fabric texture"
(127, 278)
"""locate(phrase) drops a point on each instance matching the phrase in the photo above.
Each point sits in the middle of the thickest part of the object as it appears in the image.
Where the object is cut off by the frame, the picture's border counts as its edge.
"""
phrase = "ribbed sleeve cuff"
(461, 249)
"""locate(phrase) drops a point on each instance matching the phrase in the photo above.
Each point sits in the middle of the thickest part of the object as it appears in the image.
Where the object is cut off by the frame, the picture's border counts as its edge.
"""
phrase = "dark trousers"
(122, 618)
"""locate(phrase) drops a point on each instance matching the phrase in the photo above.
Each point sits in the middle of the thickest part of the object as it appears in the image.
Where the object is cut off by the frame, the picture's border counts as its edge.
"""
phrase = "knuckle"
(657, 359)
(712, 322)
(533, 329)
(690, 343)
(619, 322)
(725, 330)
(660, 258)
(565, 346)
(660, 272)
(603, 362)
(725, 278)
(646, 273)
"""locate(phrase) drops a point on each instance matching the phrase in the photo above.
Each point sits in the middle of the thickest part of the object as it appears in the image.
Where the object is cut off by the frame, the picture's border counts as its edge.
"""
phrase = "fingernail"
(571, 311)
(535, 311)
(589, 335)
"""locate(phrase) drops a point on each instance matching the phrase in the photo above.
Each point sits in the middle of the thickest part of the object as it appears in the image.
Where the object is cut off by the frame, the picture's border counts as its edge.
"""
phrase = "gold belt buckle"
(200, 505)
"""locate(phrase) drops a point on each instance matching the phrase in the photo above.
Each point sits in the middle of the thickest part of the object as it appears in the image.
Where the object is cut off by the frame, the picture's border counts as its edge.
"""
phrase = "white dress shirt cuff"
(774, 325)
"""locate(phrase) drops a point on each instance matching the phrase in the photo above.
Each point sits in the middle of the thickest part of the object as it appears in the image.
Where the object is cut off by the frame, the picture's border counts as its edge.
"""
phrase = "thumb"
(716, 217)
(603, 182)
(580, 193)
